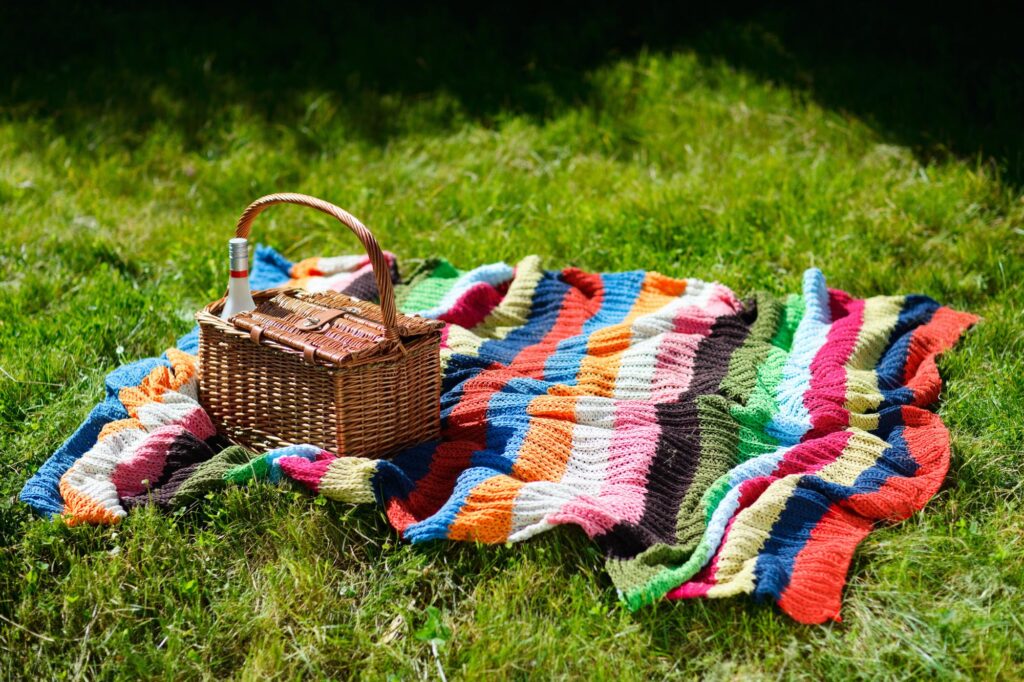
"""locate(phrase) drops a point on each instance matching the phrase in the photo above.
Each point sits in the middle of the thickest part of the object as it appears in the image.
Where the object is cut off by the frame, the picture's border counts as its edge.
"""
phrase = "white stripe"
(585, 470)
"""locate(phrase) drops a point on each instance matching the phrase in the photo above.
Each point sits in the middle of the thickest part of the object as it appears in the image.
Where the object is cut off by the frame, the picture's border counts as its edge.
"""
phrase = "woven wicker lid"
(329, 328)
(326, 328)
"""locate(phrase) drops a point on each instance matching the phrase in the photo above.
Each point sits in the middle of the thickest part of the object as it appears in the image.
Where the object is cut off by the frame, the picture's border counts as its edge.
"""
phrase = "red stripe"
(815, 588)
(920, 372)
(239, 273)
(581, 302)
(819, 569)
(466, 430)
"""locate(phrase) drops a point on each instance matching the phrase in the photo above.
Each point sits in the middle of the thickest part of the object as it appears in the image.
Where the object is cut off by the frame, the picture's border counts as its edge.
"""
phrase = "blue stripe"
(917, 310)
(398, 476)
(811, 500)
(507, 417)
(621, 290)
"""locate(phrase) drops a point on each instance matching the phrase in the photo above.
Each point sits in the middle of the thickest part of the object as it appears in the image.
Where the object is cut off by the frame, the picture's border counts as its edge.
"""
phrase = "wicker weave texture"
(372, 403)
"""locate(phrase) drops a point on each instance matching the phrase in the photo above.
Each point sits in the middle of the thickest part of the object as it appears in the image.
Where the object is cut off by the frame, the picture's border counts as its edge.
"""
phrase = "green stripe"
(646, 577)
(732, 431)
(426, 285)
(209, 476)
(761, 405)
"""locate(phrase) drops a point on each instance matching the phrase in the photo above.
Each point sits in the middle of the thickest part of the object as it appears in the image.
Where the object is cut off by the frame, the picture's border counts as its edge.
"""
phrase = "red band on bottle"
(239, 273)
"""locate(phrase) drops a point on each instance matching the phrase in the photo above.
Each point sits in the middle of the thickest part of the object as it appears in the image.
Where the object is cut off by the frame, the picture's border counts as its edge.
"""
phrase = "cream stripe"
(648, 333)
(752, 527)
(585, 471)
(880, 316)
(507, 316)
(91, 474)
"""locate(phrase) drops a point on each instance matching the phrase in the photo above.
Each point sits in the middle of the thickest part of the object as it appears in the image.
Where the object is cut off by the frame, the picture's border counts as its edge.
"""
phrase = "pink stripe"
(673, 370)
(341, 281)
(473, 306)
(136, 474)
(630, 452)
(197, 422)
(634, 444)
(826, 397)
(812, 456)
(310, 474)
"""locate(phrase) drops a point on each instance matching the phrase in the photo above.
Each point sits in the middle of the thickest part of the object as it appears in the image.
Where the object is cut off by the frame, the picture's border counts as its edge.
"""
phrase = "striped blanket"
(711, 446)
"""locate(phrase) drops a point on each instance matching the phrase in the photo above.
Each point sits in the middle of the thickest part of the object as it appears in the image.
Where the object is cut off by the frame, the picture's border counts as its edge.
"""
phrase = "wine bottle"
(239, 297)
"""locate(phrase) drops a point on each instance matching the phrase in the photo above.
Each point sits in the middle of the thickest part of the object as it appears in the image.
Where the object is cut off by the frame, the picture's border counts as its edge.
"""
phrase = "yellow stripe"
(880, 316)
(348, 479)
(735, 567)
(752, 527)
(508, 315)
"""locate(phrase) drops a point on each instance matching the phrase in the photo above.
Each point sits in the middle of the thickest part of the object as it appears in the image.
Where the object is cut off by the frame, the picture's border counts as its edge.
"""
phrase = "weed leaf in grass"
(434, 630)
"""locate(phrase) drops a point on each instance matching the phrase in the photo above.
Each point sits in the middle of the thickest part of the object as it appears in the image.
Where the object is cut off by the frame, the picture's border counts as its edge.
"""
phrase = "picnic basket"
(351, 377)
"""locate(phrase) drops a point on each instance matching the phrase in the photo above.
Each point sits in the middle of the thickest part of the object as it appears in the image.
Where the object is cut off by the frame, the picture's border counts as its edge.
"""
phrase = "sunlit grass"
(113, 235)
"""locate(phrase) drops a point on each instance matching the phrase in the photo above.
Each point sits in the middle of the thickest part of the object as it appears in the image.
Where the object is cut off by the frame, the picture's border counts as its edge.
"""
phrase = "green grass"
(122, 172)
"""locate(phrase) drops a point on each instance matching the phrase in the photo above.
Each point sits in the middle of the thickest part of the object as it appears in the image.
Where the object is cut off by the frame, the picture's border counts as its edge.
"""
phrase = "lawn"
(742, 149)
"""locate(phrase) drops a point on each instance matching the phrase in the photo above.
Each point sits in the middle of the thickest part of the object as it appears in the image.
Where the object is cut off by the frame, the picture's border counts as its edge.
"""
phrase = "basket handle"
(381, 270)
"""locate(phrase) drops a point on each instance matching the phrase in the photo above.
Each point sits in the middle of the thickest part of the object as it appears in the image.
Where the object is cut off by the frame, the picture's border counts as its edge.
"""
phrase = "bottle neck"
(238, 283)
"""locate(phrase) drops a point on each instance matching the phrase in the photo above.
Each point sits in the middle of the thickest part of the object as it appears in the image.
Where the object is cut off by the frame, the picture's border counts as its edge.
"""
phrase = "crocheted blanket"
(711, 446)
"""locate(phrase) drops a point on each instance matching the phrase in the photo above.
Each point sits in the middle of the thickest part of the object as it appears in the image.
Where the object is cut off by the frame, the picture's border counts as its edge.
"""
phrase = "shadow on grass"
(940, 81)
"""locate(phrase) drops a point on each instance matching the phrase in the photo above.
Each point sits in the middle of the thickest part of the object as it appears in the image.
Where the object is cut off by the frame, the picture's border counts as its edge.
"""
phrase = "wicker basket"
(265, 392)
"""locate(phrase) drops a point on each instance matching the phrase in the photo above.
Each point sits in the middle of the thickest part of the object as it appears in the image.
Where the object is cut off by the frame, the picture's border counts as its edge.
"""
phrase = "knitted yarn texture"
(710, 446)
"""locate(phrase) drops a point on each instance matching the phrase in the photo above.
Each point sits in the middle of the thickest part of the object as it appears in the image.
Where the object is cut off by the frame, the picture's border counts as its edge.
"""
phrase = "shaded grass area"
(611, 140)
(943, 80)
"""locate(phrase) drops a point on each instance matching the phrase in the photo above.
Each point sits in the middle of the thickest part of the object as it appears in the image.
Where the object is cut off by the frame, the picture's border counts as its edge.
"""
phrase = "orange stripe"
(465, 433)
(487, 514)
(119, 425)
(308, 267)
(548, 444)
(927, 440)
(85, 509)
(599, 368)
(159, 380)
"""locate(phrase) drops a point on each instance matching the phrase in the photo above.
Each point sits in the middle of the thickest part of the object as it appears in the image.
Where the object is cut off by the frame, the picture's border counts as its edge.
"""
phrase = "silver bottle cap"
(238, 249)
